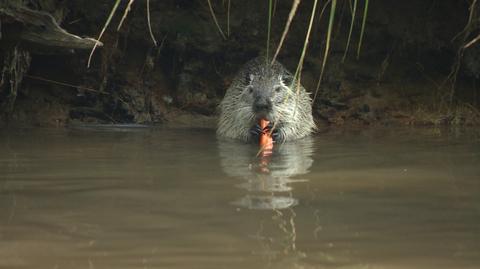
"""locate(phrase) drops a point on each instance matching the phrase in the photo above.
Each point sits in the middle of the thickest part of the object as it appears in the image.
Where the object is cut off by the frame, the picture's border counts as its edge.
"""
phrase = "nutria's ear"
(286, 79)
(248, 78)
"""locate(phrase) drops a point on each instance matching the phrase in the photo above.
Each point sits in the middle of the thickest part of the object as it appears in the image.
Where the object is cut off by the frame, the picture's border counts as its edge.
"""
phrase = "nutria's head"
(266, 92)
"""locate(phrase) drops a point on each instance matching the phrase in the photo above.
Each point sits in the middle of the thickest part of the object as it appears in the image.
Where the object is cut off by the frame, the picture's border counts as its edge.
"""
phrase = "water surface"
(128, 197)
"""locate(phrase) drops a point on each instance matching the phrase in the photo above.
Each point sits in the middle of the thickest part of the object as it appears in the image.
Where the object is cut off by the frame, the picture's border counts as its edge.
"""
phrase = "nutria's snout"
(262, 107)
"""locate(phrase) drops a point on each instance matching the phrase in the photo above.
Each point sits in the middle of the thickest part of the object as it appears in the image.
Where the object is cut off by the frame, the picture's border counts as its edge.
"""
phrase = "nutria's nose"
(262, 104)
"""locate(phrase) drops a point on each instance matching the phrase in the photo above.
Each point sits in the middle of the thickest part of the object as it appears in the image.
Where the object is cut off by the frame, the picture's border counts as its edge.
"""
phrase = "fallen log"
(40, 28)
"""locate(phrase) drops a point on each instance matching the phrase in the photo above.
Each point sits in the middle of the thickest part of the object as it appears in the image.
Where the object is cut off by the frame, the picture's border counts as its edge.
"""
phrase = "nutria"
(264, 91)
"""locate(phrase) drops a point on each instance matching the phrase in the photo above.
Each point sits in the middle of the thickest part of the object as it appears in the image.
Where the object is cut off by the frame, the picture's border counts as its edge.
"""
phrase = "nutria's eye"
(250, 90)
(287, 80)
(278, 89)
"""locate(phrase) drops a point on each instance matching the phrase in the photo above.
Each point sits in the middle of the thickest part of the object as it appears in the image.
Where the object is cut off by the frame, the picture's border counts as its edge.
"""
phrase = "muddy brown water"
(131, 197)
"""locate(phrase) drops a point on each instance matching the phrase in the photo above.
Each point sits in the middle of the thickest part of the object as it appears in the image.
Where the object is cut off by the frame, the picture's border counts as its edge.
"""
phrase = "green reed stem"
(364, 20)
(270, 8)
(112, 12)
(354, 11)
(327, 45)
(215, 19)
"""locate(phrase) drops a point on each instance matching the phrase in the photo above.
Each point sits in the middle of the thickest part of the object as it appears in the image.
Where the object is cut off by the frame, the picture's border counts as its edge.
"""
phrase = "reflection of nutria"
(264, 91)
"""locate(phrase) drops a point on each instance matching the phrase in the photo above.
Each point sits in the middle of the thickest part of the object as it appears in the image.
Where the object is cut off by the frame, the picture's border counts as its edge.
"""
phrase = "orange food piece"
(266, 147)
(266, 141)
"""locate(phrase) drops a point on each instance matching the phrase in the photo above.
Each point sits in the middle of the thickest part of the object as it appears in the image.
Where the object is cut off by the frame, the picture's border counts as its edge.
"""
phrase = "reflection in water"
(372, 199)
(267, 180)
(276, 237)
(268, 183)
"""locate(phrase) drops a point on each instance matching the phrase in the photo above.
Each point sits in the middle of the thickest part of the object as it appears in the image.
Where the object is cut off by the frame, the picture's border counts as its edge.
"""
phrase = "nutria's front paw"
(277, 135)
(257, 130)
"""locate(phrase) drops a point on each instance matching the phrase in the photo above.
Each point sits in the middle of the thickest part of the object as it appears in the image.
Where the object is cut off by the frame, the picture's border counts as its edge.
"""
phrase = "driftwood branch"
(40, 28)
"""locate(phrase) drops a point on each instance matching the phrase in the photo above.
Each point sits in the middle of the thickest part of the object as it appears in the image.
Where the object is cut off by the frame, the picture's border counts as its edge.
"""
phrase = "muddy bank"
(401, 76)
